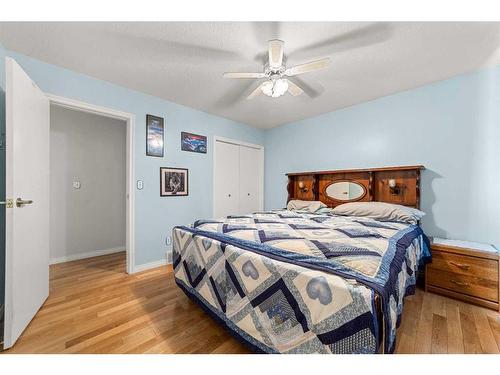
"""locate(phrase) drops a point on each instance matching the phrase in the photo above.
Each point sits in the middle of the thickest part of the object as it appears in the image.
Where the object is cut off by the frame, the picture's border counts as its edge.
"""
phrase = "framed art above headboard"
(399, 185)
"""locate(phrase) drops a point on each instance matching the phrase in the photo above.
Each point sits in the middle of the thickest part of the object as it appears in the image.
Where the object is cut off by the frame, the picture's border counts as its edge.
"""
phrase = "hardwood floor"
(95, 307)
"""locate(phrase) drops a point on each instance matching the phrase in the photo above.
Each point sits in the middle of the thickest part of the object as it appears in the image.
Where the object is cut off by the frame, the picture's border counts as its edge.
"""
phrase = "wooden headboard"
(368, 185)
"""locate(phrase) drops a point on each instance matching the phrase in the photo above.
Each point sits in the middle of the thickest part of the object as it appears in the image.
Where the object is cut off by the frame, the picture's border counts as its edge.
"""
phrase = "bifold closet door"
(227, 175)
(250, 179)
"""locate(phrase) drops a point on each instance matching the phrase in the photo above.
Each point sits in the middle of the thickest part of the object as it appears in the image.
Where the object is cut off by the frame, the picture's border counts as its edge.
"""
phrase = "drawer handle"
(459, 283)
(464, 267)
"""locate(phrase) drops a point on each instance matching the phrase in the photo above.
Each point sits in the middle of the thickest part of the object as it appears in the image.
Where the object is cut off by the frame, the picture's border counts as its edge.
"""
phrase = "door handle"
(21, 202)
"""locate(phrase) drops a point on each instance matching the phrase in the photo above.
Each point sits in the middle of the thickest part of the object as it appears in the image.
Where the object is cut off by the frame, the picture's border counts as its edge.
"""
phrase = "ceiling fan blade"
(312, 89)
(294, 89)
(265, 30)
(156, 48)
(276, 48)
(244, 75)
(256, 92)
(308, 67)
(365, 35)
(237, 90)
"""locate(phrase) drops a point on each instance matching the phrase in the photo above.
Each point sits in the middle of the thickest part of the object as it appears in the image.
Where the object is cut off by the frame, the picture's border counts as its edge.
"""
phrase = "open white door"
(27, 191)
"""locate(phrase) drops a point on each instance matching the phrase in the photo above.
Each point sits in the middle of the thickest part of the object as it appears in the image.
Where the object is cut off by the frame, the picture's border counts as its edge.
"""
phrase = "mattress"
(294, 282)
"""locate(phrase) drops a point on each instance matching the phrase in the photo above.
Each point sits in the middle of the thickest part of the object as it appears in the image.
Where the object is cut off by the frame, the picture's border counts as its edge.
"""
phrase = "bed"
(303, 282)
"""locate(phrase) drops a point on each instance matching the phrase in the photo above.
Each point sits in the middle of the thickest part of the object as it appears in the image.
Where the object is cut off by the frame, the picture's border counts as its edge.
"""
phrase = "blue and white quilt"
(293, 282)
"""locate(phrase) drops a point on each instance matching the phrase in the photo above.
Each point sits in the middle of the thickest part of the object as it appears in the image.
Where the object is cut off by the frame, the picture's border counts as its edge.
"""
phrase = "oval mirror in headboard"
(345, 191)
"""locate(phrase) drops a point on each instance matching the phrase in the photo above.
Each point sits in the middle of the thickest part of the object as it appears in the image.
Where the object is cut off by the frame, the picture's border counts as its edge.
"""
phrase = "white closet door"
(250, 180)
(226, 185)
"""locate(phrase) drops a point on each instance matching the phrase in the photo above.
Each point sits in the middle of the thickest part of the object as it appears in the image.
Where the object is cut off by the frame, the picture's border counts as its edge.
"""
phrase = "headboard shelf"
(400, 185)
(381, 169)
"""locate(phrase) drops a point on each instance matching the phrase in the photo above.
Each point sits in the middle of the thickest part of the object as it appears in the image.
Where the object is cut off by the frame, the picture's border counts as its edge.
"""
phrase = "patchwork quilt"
(292, 282)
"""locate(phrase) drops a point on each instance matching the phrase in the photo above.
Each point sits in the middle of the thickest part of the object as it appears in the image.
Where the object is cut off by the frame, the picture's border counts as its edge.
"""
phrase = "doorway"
(109, 187)
(87, 185)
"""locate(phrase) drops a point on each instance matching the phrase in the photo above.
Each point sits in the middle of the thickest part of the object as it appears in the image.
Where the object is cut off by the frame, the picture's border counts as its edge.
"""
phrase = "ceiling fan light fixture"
(275, 88)
(267, 88)
(276, 73)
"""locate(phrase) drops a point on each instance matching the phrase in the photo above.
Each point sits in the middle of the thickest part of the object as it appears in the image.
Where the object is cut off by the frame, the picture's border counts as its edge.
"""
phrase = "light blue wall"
(452, 127)
(155, 215)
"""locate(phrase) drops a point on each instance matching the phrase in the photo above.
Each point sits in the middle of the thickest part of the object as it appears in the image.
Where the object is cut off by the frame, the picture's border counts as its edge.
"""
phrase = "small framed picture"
(154, 136)
(173, 182)
(193, 142)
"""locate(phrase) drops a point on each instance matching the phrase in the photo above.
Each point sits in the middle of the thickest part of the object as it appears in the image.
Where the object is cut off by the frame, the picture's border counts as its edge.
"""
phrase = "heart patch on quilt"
(317, 288)
(206, 243)
(249, 270)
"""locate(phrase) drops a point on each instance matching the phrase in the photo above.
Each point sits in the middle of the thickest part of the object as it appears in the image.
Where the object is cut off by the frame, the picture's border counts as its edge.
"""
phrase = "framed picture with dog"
(173, 182)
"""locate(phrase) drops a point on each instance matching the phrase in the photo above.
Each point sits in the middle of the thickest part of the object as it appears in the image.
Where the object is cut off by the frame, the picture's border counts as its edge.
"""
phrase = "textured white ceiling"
(183, 61)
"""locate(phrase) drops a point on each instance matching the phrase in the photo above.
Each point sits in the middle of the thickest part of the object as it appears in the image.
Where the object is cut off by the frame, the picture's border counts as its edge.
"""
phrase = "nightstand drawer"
(465, 265)
(466, 284)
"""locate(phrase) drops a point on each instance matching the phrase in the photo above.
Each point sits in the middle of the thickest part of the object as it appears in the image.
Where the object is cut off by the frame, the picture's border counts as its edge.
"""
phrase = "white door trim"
(239, 143)
(130, 167)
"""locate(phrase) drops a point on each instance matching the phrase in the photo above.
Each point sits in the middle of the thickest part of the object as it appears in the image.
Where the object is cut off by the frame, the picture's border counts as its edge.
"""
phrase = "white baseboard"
(89, 254)
(147, 266)
(169, 253)
(156, 263)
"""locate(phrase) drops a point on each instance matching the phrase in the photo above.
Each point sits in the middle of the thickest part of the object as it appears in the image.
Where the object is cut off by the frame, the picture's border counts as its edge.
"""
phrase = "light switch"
(77, 185)
(140, 184)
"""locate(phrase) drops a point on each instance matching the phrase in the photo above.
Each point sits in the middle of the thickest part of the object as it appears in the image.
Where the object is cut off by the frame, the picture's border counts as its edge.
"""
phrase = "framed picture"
(193, 142)
(154, 136)
(173, 182)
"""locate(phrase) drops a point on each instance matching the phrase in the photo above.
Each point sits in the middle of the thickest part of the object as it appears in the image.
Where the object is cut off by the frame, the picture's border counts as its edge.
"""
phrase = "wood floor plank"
(95, 307)
(408, 332)
(485, 334)
(439, 305)
(469, 330)
(439, 335)
(454, 329)
(494, 322)
(423, 342)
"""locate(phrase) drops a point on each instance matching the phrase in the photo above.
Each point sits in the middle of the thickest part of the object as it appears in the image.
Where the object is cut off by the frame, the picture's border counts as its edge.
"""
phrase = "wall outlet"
(77, 185)
(169, 241)
(140, 184)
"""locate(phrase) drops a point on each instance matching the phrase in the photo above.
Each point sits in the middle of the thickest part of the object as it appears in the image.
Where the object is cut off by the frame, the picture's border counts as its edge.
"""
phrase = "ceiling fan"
(276, 73)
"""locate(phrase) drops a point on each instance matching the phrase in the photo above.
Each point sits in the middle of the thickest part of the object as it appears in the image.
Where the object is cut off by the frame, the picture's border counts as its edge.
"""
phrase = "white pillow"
(310, 206)
(380, 211)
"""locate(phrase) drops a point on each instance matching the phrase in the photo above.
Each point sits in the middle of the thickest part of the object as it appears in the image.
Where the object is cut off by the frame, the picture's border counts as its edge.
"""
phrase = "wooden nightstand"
(464, 270)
